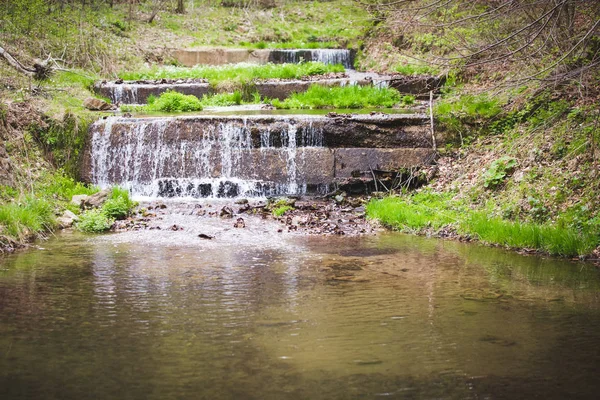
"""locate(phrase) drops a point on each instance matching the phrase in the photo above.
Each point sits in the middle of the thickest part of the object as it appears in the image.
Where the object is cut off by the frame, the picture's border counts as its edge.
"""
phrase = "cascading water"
(326, 56)
(161, 158)
(123, 94)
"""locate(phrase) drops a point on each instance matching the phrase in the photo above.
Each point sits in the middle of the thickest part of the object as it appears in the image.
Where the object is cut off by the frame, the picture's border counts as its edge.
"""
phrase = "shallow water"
(253, 314)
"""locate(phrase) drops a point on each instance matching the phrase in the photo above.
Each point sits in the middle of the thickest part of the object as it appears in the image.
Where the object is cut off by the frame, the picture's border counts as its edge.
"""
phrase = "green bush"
(115, 208)
(171, 101)
(94, 221)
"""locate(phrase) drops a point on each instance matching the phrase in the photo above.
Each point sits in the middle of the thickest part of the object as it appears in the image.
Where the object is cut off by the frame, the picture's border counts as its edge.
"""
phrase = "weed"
(280, 210)
(498, 171)
(415, 69)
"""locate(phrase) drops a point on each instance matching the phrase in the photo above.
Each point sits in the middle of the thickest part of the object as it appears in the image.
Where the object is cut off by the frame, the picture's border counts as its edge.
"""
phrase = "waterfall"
(124, 94)
(161, 157)
(326, 56)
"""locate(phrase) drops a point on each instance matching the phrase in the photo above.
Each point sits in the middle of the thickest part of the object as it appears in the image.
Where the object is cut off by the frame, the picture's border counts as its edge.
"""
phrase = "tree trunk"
(180, 7)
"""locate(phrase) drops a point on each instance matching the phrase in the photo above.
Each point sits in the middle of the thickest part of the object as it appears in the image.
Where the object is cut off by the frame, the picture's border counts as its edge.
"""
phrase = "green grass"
(26, 218)
(468, 106)
(415, 69)
(237, 73)
(223, 99)
(436, 211)
(353, 96)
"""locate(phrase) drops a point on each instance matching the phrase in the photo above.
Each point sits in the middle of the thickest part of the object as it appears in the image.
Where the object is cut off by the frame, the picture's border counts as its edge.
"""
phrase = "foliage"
(63, 139)
(119, 205)
(281, 210)
(353, 96)
(171, 101)
(94, 221)
(498, 171)
(238, 73)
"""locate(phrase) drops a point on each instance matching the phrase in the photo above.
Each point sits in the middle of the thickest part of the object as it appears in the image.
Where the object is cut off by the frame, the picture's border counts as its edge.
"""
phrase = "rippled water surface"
(257, 315)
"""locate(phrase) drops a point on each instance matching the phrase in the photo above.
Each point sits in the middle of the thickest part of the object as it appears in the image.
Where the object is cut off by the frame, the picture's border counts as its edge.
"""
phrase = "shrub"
(94, 221)
(119, 205)
(171, 101)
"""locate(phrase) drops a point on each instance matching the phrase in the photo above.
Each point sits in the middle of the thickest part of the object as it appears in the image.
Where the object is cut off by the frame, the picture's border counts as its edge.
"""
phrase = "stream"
(257, 314)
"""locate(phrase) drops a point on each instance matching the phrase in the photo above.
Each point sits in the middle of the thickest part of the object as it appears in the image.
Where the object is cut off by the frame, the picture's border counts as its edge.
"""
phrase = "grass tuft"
(318, 96)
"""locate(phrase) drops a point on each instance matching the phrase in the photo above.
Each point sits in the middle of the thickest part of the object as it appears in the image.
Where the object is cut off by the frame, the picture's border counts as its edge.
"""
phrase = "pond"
(254, 314)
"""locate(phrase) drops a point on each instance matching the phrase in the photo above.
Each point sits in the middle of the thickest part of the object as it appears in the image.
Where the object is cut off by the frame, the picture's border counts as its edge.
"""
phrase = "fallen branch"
(41, 70)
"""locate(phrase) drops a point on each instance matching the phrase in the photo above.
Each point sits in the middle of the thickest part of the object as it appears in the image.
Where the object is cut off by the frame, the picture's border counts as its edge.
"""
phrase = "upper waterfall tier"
(219, 56)
(208, 156)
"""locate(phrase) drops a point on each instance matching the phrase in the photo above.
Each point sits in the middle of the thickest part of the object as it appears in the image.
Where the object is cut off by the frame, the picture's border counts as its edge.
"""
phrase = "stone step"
(138, 93)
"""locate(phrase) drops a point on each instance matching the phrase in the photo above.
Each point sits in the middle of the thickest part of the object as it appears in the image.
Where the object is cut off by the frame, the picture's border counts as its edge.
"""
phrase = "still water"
(257, 315)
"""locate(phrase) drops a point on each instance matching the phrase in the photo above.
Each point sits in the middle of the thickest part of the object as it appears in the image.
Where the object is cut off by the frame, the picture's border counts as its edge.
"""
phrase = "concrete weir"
(138, 92)
(217, 156)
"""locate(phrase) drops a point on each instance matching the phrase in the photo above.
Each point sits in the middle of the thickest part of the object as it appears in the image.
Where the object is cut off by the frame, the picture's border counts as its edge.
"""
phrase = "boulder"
(96, 200)
(67, 219)
(94, 104)
(78, 199)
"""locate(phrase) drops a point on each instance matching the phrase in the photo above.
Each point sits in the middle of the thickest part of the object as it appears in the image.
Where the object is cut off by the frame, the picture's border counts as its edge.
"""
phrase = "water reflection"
(294, 317)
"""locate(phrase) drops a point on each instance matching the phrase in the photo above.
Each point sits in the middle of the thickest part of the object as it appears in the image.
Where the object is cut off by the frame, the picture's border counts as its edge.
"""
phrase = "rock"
(241, 201)
(297, 220)
(67, 219)
(94, 104)
(79, 199)
(205, 236)
(226, 212)
(96, 200)
(239, 223)
(70, 214)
